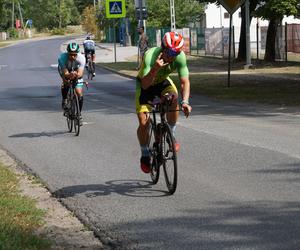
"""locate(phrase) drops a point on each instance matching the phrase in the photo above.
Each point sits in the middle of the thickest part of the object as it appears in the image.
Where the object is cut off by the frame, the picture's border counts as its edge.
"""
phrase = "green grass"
(271, 83)
(19, 216)
(247, 88)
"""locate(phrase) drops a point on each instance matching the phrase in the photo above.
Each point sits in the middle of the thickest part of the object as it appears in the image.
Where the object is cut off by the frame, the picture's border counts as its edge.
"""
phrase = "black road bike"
(90, 66)
(72, 111)
(162, 144)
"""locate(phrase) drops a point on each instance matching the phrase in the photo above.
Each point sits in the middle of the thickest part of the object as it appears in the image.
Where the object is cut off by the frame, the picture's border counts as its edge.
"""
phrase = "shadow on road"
(134, 188)
(41, 134)
(227, 225)
(287, 173)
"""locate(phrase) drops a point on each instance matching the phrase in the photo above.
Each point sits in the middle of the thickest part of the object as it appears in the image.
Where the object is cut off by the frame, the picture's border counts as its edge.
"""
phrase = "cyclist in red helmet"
(153, 80)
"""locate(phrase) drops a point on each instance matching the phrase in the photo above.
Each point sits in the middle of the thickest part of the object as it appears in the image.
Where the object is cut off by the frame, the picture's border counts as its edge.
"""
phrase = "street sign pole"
(229, 53)
(115, 44)
(231, 6)
(115, 9)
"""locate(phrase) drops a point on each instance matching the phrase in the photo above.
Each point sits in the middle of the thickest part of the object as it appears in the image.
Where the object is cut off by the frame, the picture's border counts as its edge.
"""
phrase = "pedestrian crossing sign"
(115, 8)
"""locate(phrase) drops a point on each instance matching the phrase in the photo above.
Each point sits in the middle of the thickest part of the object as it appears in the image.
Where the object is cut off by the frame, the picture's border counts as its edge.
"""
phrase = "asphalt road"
(239, 165)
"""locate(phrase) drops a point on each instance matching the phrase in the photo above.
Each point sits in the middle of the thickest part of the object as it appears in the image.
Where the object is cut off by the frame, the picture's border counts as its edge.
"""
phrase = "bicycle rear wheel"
(76, 114)
(169, 159)
(68, 112)
(90, 70)
(153, 154)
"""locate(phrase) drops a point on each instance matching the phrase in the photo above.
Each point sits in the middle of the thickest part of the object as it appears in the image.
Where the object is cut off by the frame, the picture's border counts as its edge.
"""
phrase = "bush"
(74, 29)
(58, 31)
(13, 33)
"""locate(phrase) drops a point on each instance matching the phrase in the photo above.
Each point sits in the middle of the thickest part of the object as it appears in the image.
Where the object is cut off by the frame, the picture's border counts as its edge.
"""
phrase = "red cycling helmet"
(172, 41)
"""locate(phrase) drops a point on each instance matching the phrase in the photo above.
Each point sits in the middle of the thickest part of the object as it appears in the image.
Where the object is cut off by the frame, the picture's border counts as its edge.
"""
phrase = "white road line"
(2, 66)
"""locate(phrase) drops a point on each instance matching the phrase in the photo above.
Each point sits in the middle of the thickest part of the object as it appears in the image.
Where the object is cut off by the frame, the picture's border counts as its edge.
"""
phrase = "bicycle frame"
(73, 114)
(162, 108)
(161, 145)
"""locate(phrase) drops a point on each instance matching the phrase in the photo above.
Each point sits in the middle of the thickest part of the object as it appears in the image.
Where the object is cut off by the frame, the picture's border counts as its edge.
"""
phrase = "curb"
(33, 39)
(115, 71)
(102, 47)
(73, 233)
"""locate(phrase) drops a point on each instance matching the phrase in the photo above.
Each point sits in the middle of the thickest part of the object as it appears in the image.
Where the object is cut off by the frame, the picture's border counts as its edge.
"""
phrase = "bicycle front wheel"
(153, 148)
(169, 158)
(68, 112)
(76, 114)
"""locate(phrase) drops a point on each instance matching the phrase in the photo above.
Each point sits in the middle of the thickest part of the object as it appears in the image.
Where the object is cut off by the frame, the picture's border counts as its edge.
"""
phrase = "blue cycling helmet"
(73, 48)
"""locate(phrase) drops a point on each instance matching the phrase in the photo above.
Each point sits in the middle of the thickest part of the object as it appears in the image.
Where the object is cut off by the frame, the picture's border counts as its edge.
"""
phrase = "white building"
(218, 17)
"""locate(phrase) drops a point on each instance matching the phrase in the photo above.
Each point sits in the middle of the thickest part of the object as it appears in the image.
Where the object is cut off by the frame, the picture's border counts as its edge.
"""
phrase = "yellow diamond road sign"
(115, 8)
(231, 5)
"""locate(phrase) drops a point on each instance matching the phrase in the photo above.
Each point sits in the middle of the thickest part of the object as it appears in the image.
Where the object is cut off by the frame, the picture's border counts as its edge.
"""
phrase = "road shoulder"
(61, 227)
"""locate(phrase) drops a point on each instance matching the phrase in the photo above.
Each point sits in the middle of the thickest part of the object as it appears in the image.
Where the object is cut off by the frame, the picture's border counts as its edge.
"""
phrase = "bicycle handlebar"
(163, 100)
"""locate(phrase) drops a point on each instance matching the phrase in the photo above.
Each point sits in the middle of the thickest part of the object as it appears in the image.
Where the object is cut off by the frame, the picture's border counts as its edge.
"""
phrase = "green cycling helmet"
(73, 48)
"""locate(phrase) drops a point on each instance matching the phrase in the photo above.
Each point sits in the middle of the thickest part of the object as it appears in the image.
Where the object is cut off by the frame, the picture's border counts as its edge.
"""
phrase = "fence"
(215, 41)
(293, 38)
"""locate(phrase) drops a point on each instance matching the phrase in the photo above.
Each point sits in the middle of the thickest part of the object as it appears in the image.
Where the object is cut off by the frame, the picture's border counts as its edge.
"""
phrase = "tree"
(5, 14)
(274, 11)
(52, 13)
(242, 42)
(68, 13)
(89, 22)
(82, 4)
(185, 11)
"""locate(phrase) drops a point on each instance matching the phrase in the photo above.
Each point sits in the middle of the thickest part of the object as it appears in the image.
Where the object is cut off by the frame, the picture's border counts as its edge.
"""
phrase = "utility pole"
(13, 15)
(22, 23)
(59, 25)
(141, 12)
(172, 12)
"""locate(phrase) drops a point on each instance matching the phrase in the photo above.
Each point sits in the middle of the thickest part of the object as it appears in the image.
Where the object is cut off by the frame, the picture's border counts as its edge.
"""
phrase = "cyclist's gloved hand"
(160, 62)
(73, 75)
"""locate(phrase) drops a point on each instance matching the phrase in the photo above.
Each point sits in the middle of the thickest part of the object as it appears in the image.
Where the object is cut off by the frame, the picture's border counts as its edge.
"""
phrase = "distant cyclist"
(153, 80)
(89, 48)
(71, 67)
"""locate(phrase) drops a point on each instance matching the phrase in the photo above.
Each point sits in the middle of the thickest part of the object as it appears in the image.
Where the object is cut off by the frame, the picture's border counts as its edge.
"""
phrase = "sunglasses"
(171, 53)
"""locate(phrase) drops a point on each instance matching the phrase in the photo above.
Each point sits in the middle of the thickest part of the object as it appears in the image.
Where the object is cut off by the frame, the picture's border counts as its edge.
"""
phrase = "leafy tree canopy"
(271, 9)
(185, 11)
(82, 4)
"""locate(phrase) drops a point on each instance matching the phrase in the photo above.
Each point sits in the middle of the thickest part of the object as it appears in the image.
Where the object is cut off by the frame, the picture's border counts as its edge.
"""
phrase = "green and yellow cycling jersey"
(150, 58)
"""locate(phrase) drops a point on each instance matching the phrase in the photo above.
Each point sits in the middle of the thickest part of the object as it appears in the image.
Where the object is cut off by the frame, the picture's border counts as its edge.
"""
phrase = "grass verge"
(19, 216)
(277, 83)
(4, 44)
